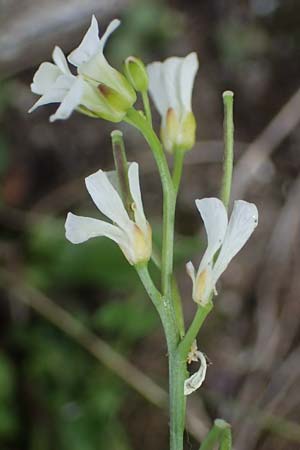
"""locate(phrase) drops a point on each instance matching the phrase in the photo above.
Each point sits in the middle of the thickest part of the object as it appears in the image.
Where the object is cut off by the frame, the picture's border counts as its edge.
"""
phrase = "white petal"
(114, 24)
(79, 229)
(113, 179)
(171, 74)
(44, 78)
(107, 200)
(70, 101)
(91, 44)
(57, 92)
(157, 88)
(188, 72)
(242, 223)
(53, 96)
(171, 83)
(190, 269)
(60, 60)
(88, 46)
(195, 381)
(215, 220)
(135, 190)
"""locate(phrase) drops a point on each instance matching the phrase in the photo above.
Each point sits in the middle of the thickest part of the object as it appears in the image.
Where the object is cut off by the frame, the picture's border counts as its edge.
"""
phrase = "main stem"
(171, 318)
(177, 366)
(169, 197)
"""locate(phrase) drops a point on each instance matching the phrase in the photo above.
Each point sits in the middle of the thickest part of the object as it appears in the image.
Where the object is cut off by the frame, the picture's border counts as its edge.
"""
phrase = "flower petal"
(70, 102)
(215, 220)
(195, 381)
(79, 229)
(44, 78)
(190, 270)
(114, 24)
(135, 190)
(53, 96)
(242, 223)
(164, 84)
(171, 83)
(107, 200)
(60, 60)
(157, 88)
(171, 74)
(88, 46)
(189, 67)
(91, 44)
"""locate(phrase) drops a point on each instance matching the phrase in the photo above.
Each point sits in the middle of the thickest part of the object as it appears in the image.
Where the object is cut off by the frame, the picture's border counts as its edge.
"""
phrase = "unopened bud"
(136, 73)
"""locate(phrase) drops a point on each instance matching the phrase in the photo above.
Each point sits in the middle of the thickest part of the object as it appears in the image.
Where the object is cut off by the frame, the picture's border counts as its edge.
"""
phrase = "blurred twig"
(268, 352)
(44, 23)
(261, 148)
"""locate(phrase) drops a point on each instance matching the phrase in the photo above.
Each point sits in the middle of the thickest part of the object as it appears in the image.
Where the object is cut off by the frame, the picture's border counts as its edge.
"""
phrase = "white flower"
(229, 238)
(88, 57)
(170, 85)
(195, 381)
(56, 84)
(133, 236)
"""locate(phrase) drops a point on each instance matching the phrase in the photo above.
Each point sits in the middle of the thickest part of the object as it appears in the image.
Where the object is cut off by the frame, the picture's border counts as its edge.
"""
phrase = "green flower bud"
(136, 73)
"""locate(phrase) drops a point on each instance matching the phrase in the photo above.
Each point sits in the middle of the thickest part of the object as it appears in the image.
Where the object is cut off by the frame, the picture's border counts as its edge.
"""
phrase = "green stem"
(214, 435)
(121, 165)
(177, 376)
(228, 147)
(177, 368)
(226, 440)
(201, 314)
(169, 197)
(177, 302)
(177, 169)
(151, 289)
(176, 297)
(147, 108)
(168, 312)
(163, 307)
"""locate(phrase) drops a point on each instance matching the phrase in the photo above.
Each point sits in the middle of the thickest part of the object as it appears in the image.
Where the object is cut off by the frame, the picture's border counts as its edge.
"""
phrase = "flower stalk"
(220, 433)
(228, 148)
(121, 166)
(169, 197)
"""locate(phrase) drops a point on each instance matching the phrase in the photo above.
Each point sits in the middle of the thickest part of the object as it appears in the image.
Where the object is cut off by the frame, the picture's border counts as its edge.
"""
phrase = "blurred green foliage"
(73, 402)
(239, 43)
(51, 257)
(146, 26)
(8, 420)
(4, 147)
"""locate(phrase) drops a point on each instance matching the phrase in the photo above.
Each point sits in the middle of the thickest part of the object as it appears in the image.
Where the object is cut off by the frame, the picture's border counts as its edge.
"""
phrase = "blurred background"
(82, 356)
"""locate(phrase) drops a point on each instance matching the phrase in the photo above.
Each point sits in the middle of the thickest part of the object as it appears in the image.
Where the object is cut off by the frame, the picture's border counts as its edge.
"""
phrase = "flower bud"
(136, 73)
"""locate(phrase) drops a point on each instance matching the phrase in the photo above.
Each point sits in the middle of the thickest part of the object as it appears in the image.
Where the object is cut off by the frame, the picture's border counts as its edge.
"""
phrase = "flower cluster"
(99, 90)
